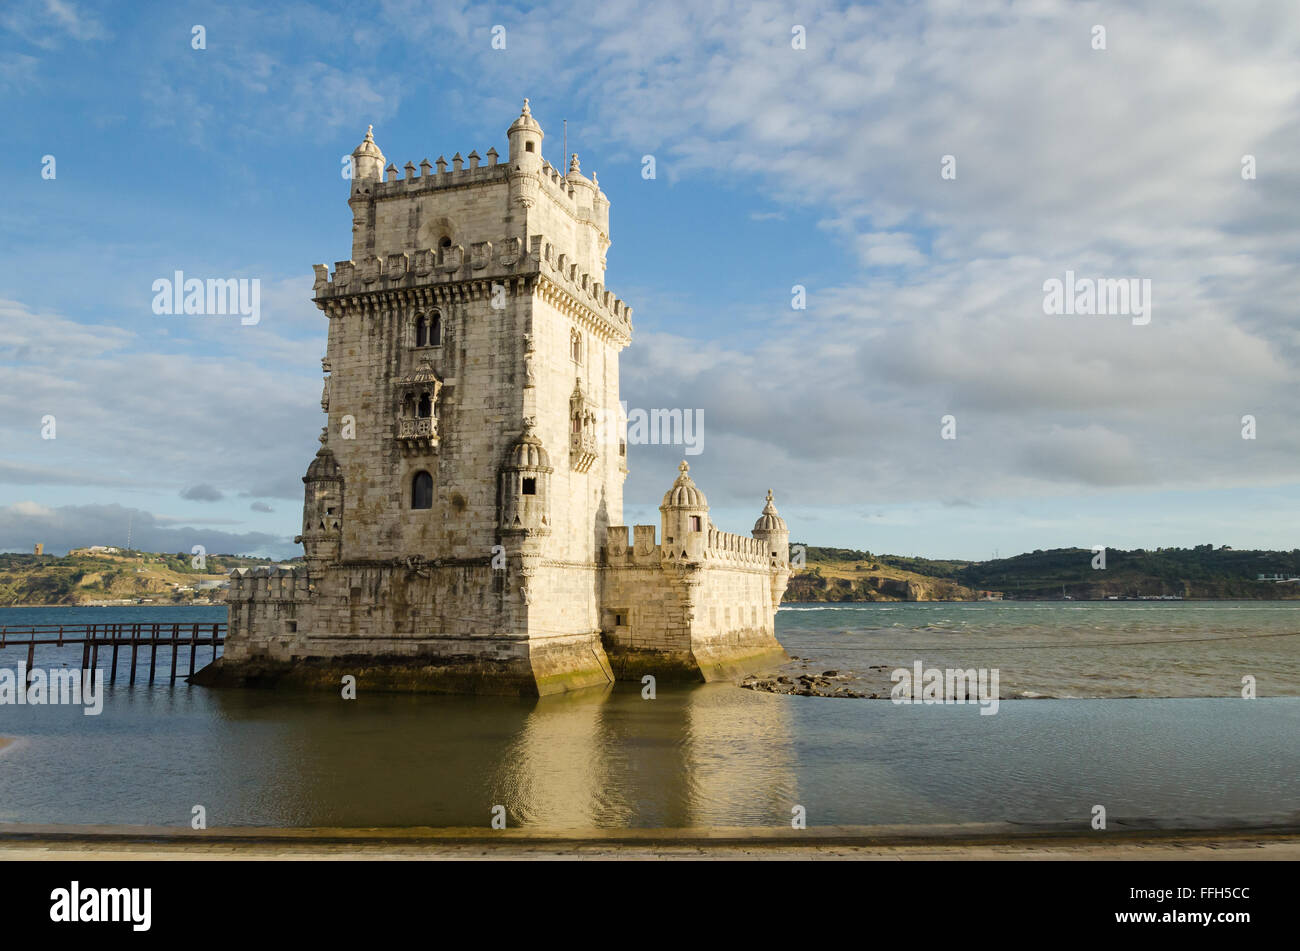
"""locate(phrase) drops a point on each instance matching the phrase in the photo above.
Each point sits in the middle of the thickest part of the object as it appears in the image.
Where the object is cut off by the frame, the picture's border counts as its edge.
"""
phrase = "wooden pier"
(137, 636)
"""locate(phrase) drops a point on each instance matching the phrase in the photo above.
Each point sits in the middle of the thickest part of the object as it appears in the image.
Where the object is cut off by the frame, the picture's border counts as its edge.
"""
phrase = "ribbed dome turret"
(324, 468)
(770, 521)
(528, 453)
(367, 148)
(684, 493)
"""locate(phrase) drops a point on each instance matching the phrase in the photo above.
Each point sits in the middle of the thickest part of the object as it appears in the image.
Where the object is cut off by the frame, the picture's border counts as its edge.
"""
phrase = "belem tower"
(462, 520)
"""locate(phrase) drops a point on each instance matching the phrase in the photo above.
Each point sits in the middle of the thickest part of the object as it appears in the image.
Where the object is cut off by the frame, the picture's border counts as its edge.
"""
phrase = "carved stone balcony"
(582, 450)
(418, 435)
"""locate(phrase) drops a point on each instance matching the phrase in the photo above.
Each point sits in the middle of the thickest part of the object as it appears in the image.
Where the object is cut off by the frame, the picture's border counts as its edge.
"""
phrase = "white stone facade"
(462, 520)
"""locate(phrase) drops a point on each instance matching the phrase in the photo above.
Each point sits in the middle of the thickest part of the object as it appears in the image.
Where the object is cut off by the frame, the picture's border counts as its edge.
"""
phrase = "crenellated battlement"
(730, 548)
(483, 260)
(576, 194)
(431, 176)
(721, 549)
(268, 584)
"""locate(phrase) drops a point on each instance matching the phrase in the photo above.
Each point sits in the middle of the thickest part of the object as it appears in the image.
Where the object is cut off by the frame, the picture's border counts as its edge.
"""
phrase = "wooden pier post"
(153, 651)
(175, 633)
(135, 635)
(116, 636)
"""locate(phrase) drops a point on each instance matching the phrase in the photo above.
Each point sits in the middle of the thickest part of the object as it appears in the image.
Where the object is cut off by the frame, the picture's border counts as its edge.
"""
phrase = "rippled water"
(1061, 649)
(710, 756)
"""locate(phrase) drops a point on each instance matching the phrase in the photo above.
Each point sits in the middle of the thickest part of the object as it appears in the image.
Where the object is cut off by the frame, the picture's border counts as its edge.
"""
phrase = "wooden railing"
(115, 636)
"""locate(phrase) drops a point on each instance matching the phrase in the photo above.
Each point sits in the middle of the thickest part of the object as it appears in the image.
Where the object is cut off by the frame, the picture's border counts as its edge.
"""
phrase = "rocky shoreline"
(829, 683)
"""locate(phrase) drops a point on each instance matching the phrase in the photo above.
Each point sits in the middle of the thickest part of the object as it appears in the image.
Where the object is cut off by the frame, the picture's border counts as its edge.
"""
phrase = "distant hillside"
(838, 574)
(829, 574)
(843, 574)
(83, 578)
(1200, 572)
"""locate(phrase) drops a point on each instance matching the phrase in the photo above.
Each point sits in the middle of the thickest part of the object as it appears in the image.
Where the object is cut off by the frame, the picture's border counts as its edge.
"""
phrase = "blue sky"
(776, 166)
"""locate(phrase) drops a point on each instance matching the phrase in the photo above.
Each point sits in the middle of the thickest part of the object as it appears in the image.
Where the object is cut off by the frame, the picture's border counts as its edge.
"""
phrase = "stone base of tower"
(706, 662)
(520, 668)
(736, 659)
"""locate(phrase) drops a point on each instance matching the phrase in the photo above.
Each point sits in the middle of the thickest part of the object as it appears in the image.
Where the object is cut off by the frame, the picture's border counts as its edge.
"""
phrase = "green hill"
(839, 574)
(81, 577)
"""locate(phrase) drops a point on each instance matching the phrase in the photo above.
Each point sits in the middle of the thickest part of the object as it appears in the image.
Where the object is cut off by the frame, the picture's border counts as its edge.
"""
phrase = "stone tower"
(458, 517)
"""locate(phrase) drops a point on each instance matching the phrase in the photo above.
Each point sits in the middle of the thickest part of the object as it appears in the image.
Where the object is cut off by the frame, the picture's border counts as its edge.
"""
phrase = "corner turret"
(322, 511)
(367, 161)
(526, 486)
(771, 530)
(685, 518)
(526, 141)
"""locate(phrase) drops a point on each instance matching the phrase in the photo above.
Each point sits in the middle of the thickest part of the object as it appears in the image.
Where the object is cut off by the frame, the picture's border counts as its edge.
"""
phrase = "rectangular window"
(695, 523)
(530, 486)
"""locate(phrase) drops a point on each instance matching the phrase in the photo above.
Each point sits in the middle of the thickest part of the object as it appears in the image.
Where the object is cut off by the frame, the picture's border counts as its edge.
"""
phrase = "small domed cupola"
(324, 468)
(525, 122)
(769, 521)
(684, 492)
(528, 452)
(367, 160)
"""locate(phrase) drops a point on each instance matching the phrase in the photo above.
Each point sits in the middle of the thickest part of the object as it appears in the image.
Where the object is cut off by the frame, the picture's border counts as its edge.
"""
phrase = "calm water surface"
(708, 756)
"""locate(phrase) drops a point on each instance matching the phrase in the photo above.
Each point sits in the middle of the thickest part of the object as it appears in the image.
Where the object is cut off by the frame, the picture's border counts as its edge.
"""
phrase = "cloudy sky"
(777, 166)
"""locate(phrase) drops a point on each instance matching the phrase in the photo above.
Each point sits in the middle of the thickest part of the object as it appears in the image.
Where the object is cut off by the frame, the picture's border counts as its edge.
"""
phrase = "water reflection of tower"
(696, 757)
(552, 774)
(740, 754)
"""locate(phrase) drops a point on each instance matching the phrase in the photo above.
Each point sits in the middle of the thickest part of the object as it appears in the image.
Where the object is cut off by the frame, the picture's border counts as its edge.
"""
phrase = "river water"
(715, 756)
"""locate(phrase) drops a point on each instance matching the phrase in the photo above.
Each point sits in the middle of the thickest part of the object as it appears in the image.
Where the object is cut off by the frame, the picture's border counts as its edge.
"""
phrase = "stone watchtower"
(456, 517)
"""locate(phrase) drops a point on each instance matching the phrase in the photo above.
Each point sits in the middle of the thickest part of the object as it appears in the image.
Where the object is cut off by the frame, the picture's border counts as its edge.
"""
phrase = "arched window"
(575, 346)
(426, 407)
(422, 491)
(445, 243)
(421, 331)
(435, 329)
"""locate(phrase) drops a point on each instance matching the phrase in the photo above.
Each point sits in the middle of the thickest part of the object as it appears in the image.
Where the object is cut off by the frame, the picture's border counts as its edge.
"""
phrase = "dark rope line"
(1025, 647)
